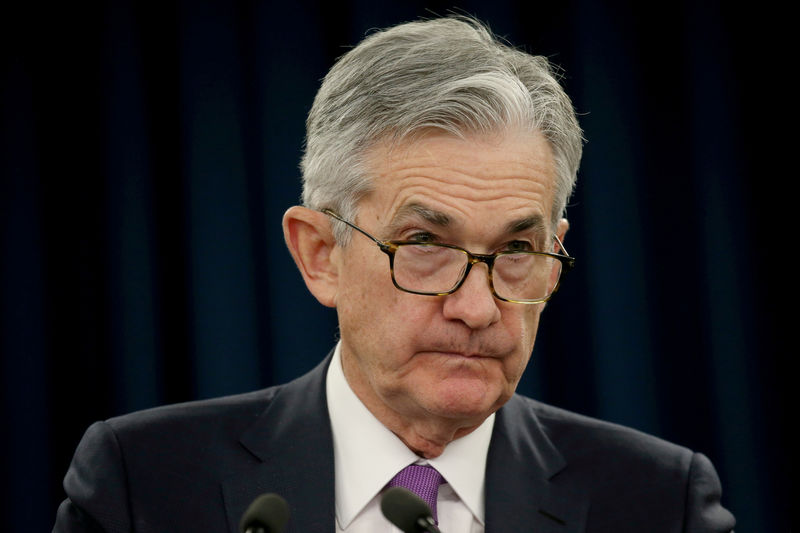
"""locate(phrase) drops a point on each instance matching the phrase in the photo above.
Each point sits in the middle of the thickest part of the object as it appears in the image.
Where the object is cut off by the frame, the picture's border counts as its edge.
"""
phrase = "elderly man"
(437, 168)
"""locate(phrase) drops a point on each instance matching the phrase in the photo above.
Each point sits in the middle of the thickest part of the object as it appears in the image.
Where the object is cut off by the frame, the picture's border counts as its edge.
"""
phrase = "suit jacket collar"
(523, 489)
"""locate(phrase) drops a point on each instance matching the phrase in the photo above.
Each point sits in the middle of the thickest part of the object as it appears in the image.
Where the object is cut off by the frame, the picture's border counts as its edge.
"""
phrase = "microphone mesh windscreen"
(403, 508)
(268, 511)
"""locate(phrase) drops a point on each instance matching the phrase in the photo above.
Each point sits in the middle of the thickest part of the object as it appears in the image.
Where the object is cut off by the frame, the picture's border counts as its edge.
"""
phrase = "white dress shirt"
(367, 455)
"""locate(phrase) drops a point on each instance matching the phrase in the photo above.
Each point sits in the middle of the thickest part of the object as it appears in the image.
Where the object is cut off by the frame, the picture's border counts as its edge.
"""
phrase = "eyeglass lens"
(438, 269)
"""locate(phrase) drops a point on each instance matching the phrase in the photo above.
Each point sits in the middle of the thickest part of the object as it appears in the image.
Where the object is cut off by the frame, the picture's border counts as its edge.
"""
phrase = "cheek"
(524, 329)
(374, 315)
(362, 279)
(530, 317)
(404, 322)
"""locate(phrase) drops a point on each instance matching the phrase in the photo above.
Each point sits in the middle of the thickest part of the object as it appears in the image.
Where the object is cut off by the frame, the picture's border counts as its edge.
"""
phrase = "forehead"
(482, 181)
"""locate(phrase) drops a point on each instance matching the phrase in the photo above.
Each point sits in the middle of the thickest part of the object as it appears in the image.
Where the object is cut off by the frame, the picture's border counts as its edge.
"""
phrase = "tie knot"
(423, 480)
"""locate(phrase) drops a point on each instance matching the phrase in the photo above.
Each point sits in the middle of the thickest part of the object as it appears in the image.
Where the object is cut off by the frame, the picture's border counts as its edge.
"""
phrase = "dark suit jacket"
(197, 466)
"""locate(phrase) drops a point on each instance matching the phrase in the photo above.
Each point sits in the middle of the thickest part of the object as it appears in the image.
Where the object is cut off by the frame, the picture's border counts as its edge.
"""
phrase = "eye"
(518, 246)
(422, 237)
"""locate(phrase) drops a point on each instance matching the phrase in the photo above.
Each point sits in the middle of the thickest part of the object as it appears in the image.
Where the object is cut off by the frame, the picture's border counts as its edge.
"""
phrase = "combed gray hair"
(449, 74)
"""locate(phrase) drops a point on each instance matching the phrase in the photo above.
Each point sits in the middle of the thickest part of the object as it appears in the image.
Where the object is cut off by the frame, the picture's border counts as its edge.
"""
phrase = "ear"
(561, 232)
(310, 240)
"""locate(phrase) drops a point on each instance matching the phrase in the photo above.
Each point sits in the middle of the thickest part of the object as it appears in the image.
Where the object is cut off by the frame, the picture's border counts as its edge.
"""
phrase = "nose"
(473, 303)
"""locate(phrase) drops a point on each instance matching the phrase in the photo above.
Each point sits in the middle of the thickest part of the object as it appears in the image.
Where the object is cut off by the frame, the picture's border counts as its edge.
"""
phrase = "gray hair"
(448, 74)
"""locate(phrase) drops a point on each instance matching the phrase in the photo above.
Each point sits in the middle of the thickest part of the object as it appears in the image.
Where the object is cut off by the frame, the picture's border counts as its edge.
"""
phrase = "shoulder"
(601, 457)
(133, 464)
(224, 416)
(208, 416)
(146, 446)
(622, 471)
(579, 437)
(153, 464)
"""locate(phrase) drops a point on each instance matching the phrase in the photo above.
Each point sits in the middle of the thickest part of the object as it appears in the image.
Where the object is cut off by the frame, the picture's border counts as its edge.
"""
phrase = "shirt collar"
(367, 455)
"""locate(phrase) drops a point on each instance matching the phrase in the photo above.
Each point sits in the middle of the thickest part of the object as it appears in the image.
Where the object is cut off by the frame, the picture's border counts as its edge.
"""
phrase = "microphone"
(267, 514)
(407, 511)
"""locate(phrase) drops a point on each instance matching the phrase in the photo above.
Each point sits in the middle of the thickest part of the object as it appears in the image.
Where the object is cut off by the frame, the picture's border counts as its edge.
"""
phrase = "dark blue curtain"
(148, 153)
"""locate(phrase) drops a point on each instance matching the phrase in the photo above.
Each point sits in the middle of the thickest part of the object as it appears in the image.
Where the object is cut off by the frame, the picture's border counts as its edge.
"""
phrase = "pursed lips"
(461, 353)
(472, 348)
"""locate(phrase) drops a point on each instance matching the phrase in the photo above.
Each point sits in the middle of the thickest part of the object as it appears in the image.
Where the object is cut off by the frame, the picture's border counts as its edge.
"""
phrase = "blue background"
(148, 154)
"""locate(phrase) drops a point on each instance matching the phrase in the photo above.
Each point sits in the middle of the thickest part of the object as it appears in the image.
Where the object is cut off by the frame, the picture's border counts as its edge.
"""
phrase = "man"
(437, 169)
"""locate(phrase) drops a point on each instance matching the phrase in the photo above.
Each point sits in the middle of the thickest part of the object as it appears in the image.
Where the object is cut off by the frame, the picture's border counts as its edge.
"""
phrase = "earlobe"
(310, 241)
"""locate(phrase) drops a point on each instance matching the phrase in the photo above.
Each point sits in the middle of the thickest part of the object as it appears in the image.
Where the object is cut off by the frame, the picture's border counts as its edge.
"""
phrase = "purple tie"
(423, 480)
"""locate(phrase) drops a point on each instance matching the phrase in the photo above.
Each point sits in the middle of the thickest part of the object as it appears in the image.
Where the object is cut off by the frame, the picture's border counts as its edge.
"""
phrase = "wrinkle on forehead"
(446, 177)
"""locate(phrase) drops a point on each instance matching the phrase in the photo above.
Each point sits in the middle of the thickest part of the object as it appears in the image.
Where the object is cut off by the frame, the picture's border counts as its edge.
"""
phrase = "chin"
(467, 400)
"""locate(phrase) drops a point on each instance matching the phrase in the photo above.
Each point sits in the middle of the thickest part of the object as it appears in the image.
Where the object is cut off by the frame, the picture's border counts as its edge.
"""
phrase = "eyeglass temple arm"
(340, 219)
(561, 245)
(569, 261)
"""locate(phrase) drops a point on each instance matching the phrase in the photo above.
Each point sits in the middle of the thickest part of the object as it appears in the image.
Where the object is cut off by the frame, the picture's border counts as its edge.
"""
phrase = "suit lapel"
(523, 490)
(292, 451)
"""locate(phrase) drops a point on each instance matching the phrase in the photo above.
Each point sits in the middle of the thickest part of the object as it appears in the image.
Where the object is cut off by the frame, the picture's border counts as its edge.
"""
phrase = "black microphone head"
(269, 512)
(404, 509)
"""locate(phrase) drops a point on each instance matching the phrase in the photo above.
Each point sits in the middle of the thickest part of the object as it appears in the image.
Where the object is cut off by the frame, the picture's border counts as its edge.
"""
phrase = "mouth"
(472, 348)
(459, 354)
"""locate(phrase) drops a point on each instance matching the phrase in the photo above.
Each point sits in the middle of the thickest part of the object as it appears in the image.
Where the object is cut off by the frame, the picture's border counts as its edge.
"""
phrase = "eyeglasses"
(435, 269)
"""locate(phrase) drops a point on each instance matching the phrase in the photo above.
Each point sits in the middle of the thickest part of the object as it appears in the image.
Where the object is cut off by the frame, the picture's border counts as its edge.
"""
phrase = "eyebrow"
(414, 210)
(535, 222)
